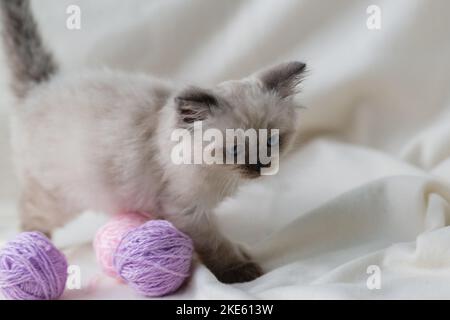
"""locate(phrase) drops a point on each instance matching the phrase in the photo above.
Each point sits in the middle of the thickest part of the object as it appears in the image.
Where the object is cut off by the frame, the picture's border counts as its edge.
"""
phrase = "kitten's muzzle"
(254, 170)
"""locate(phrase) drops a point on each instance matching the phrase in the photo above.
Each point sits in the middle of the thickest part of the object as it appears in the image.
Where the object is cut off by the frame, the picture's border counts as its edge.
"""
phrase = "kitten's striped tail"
(30, 62)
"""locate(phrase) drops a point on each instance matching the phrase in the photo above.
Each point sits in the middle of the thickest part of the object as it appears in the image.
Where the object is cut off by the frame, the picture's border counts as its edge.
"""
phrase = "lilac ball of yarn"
(155, 258)
(31, 268)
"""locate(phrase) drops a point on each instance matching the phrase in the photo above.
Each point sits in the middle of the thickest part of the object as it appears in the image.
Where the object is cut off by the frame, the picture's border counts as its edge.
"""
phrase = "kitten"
(101, 140)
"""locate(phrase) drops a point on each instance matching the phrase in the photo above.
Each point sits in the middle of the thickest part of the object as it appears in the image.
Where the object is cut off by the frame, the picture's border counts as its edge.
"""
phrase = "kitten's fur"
(101, 140)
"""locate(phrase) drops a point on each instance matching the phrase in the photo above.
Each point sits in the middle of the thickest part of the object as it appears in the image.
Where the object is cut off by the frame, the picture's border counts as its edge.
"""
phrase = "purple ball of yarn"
(155, 258)
(31, 268)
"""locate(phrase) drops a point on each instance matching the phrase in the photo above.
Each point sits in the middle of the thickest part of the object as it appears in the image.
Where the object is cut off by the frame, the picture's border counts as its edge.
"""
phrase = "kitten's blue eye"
(234, 150)
(273, 140)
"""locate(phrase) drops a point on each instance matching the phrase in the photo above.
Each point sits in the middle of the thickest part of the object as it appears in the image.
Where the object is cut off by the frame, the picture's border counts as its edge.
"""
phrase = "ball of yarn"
(108, 237)
(155, 258)
(31, 268)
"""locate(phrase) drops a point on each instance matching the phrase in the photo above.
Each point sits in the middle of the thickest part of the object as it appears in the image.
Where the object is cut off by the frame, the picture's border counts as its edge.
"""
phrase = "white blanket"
(362, 210)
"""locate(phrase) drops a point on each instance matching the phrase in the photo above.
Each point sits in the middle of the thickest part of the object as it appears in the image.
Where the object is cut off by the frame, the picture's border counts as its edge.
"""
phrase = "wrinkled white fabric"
(370, 187)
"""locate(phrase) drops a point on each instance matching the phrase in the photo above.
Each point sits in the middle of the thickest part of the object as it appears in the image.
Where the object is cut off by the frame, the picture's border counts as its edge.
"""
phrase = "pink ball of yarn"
(155, 258)
(108, 237)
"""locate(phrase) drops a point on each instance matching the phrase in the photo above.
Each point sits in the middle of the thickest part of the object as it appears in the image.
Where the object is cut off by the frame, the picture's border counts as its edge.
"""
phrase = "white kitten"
(101, 140)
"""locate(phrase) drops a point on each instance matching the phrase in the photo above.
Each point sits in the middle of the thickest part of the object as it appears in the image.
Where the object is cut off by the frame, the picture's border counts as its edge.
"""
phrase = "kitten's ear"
(284, 79)
(195, 104)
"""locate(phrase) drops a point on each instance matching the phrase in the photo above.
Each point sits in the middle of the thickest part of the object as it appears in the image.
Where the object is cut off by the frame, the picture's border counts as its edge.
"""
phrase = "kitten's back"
(76, 132)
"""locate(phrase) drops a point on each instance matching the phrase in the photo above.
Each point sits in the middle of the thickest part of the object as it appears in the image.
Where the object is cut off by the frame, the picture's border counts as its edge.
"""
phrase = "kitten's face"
(263, 101)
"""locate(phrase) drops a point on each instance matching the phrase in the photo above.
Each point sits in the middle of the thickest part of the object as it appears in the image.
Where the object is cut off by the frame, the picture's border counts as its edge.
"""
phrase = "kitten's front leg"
(228, 261)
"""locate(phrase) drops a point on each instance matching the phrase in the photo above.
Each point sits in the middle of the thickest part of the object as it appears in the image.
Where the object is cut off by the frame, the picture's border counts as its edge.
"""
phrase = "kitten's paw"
(242, 272)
